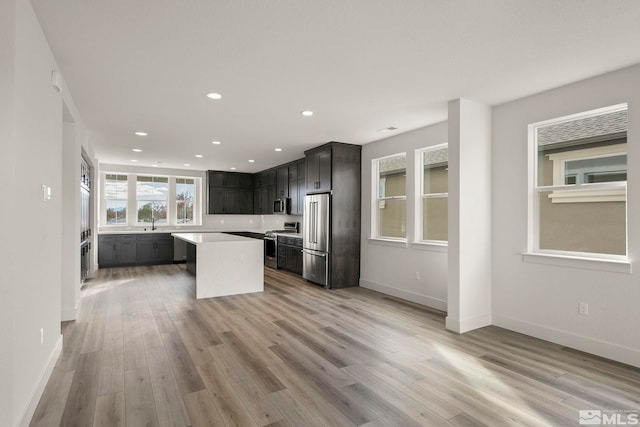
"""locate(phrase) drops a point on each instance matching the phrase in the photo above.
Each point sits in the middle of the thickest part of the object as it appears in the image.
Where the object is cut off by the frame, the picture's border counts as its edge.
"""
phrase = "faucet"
(153, 223)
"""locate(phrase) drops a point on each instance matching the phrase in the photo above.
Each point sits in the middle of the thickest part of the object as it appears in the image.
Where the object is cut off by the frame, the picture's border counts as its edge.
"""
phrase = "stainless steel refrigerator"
(316, 245)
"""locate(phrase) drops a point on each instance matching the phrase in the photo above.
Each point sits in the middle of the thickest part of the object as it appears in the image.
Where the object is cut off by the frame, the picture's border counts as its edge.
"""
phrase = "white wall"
(37, 226)
(8, 272)
(391, 269)
(542, 300)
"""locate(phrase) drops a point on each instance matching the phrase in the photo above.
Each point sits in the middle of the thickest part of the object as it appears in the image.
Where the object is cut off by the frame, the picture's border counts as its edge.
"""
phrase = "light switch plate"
(45, 193)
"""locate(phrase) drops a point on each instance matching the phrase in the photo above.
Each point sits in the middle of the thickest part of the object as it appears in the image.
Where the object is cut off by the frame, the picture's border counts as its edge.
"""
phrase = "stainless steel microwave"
(282, 206)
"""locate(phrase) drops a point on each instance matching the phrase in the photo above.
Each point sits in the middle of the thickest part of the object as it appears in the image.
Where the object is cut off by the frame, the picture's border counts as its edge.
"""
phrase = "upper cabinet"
(230, 193)
(282, 182)
(297, 188)
(318, 169)
(245, 193)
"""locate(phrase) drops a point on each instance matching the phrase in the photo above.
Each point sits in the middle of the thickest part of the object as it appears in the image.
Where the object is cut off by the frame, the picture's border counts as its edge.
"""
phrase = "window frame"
(421, 195)
(166, 201)
(132, 221)
(177, 202)
(375, 199)
(586, 191)
(125, 199)
(609, 194)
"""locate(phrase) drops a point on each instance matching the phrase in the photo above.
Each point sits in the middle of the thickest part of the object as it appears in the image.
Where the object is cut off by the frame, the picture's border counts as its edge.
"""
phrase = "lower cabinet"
(290, 254)
(116, 250)
(155, 249)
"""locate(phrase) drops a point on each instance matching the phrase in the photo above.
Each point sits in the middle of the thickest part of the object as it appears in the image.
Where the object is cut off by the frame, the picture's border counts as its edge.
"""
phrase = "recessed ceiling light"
(232, 169)
(137, 150)
(155, 166)
(307, 113)
(252, 161)
(134, 160)
(216, 142)
(199, 156)
(389, 129)
(214, 95)
(277, 149)
(140, 133)
(187, 164)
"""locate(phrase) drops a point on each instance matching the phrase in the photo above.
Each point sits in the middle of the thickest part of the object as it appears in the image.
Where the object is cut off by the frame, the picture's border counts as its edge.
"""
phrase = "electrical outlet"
(417, 276)
(583, 308)
(41, 335)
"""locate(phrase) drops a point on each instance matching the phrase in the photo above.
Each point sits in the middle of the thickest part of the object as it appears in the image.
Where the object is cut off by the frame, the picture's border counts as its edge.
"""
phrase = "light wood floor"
(144, 352)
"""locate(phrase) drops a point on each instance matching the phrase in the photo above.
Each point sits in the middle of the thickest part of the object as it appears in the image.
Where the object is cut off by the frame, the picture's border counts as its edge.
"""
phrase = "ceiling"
(360, 65)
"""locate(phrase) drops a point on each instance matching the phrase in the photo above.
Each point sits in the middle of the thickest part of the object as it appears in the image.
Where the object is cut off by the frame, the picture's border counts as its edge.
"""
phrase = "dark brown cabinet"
(340, 164)
(290, 254)
(264, 192)
(282, 182)
(244, 193)
(134, 249)
(230, 193)
(297, 188)
(154, 249)
(318, 169)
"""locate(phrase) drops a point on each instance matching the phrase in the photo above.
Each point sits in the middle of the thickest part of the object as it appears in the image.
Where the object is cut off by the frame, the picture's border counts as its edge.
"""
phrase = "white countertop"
(176, 230)
(199, 238)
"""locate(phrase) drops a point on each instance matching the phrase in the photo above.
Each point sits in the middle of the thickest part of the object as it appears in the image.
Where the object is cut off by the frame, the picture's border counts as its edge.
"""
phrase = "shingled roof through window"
(588, 127)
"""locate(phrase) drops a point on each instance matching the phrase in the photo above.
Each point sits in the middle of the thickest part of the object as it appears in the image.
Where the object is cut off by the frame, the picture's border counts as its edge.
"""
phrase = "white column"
(469, 264)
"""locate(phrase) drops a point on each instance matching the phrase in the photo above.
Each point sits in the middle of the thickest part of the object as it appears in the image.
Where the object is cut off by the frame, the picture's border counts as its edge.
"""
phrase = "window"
(433, 179)
(115, 195)
(390, 197)
(185, 191)
(152, 194)
(580, 182)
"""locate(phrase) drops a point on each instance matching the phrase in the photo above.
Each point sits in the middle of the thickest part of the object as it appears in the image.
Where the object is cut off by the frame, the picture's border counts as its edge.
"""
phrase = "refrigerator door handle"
(314, 222)
(314, 253)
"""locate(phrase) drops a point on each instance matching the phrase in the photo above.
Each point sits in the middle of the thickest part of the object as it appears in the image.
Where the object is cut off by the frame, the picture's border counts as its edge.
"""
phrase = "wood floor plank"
(81, 401)
(183, 367)
(110, 410)
(144, 352)
(253, 399)
(166, 392)
(202, 410)
(54, 398)
(111, 373)
(134, 356)
(332, 394)
(140, 408)
(223, 396)
(263, 377)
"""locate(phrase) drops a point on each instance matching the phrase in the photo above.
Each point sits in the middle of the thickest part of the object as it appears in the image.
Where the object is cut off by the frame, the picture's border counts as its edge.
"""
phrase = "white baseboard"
(36, 394)
(630, 356)
(405, 295)
(469, 324)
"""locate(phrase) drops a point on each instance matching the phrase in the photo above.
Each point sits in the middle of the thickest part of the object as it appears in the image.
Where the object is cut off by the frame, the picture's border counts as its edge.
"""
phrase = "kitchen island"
(224, 264)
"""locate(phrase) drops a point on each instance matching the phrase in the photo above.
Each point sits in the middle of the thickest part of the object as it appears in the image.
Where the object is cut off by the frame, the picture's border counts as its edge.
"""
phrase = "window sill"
(398, 243)
(433, 247)
(615, 266)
